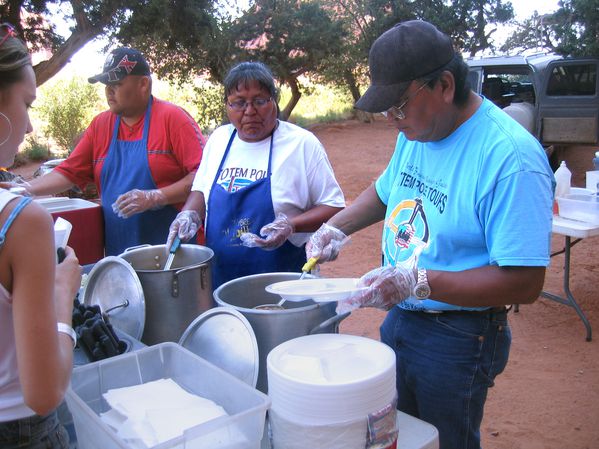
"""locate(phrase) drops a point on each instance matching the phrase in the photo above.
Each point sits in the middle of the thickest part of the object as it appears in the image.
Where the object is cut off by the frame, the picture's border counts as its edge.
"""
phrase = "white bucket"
(324, 386)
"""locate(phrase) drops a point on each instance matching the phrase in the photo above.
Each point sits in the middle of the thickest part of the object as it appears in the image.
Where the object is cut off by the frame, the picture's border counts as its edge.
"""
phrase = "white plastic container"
(243, 428)
(563, 179)
(581, 205)
(324, 386)
(592, 180)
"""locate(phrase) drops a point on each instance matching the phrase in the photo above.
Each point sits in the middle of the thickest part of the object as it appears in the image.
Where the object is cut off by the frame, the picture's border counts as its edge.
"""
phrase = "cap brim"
(381, 98)
(103, 78)
(100, 78)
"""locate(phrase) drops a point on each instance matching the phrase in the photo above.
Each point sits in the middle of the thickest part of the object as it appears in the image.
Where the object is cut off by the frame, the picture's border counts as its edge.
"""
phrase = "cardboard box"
(87, 235)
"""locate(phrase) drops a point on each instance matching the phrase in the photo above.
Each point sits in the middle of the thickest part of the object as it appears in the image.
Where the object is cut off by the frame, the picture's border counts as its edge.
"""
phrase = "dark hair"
(245, 72)
(13, 57)
(459, 69)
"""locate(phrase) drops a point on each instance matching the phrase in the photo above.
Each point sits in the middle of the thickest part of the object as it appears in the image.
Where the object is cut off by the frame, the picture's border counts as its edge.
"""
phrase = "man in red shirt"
(142, 155)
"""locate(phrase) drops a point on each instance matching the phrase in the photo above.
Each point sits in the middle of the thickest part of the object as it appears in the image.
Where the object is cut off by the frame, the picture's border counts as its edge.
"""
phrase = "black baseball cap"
(400, 55)
(119, 63)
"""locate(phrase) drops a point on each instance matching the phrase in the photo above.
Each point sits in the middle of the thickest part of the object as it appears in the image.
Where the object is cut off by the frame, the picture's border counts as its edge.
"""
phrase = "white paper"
(62, 231)
(155, 412)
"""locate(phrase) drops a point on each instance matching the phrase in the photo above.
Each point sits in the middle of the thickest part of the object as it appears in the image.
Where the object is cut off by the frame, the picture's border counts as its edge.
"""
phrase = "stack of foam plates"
(330, 378)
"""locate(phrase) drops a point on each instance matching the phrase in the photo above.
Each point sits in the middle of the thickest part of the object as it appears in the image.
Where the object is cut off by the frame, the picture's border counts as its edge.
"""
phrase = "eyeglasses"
(241, 105)
(10, 32)
(397, 111)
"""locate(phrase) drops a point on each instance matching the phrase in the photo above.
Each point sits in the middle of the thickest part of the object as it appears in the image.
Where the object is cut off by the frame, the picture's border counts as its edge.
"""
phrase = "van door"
(569, 102)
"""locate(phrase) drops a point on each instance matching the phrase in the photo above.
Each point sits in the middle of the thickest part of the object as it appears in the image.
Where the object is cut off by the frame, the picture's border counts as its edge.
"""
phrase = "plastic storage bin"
(242, 429)
(87, 235)
(581, 205)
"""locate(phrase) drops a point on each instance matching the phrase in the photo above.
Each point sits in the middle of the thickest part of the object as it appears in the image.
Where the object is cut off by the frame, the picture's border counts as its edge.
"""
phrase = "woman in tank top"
(36, 293)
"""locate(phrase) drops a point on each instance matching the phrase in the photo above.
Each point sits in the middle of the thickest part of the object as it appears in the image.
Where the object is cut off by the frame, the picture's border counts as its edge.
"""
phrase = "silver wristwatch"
(422, 290)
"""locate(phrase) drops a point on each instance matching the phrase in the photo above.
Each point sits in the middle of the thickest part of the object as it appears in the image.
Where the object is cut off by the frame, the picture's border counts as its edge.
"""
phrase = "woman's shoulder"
(30, 220)
(292, 131)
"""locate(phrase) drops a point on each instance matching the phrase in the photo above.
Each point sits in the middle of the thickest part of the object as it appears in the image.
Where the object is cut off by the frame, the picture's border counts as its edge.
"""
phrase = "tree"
(292, 37)
(67, 107)
(186, 21)
(573, 30)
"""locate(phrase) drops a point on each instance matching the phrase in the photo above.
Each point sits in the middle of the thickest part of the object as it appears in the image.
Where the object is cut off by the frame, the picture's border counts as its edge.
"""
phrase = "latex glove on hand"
(326, 243)
(275, 234)
(18, 186)
(185, 225)
(136, 201)
(387, 286)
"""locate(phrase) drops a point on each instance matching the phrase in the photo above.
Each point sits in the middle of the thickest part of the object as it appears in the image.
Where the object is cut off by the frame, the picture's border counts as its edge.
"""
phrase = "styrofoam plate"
(318, 289)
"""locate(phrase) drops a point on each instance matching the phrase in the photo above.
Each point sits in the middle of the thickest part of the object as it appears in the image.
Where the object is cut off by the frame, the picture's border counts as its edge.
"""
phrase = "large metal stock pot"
(273, 327)
(175, 297)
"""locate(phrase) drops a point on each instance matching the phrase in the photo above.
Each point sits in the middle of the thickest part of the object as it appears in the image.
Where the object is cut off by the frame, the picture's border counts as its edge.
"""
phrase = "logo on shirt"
(406, 233)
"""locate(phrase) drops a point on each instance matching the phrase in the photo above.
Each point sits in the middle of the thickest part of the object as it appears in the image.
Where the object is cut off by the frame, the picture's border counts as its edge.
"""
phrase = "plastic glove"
(18, 186)
(185, 225)
(387, 286)
(136, 201)
(275, 234)
(326, 243)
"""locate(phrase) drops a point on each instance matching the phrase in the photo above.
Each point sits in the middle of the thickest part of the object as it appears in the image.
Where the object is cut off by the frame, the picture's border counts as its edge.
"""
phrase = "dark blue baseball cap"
(120, 63)
(406, 52)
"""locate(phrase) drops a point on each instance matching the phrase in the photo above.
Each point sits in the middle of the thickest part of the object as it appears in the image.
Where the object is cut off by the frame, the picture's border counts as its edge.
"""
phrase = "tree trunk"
(295, 96)
(47, 69)
(350, 81)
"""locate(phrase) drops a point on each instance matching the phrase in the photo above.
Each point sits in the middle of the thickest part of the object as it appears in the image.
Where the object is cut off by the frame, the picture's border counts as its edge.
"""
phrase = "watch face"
(422, 291)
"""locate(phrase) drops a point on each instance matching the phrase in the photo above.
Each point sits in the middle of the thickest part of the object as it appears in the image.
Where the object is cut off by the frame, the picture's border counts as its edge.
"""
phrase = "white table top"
(574, 228)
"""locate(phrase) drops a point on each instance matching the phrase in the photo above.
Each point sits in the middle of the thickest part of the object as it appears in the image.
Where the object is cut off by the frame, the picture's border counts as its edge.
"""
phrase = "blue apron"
(126, 168)
(246, 210)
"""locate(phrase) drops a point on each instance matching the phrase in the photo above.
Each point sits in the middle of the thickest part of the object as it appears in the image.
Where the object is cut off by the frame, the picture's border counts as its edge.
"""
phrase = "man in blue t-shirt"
(466, 202)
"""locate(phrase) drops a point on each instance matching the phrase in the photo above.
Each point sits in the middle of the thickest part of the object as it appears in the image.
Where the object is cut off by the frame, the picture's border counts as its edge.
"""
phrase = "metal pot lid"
(225, 338)
(114, 286)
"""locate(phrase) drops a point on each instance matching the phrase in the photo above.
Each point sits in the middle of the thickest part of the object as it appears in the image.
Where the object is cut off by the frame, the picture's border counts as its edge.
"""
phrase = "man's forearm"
(49, 184)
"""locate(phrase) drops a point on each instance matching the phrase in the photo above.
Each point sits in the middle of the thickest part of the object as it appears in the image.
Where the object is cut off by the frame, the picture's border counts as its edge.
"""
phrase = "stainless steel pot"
(273, 327)
(175, 297)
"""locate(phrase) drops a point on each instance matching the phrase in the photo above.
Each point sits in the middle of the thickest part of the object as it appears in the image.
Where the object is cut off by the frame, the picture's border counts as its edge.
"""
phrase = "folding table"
(579, 230)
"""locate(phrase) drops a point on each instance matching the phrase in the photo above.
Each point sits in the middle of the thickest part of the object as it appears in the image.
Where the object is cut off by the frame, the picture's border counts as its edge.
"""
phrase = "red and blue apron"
(231, 213)
(125, 168)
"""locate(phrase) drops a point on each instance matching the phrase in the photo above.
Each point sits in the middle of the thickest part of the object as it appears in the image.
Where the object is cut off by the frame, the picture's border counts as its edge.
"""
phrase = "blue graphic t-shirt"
(482, 196)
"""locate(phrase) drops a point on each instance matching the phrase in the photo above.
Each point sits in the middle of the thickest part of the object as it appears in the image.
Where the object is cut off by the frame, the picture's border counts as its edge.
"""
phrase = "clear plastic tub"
(242, 429)
(580, 206)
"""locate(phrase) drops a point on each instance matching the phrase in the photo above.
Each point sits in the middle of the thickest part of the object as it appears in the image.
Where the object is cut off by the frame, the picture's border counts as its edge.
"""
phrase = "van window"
(573, 79)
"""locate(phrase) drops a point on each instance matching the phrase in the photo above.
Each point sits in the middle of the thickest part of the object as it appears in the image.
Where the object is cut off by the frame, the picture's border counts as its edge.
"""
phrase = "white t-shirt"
(302, 176)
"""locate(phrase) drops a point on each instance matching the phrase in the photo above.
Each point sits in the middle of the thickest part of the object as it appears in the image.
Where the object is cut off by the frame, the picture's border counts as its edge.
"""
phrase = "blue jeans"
(445, 365)
(34, 432)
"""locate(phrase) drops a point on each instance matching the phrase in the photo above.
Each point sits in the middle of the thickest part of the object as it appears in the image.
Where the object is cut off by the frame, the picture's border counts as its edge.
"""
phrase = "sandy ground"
(548, 396)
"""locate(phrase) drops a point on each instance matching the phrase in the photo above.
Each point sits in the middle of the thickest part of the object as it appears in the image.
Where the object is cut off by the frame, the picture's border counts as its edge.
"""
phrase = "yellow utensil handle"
(310, 264)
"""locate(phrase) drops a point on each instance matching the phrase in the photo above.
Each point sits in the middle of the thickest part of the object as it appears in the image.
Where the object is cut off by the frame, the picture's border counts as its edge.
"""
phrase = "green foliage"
(209, 102)
(573, 30)
(321, 104)
(66, 107)
(35, 150)
(202, 99)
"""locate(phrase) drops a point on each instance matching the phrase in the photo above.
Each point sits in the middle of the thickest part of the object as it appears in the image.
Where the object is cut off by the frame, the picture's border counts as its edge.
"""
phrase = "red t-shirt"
(175, 146)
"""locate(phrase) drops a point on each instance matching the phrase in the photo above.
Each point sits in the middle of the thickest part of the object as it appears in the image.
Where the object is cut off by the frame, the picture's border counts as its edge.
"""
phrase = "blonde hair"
(13, 57)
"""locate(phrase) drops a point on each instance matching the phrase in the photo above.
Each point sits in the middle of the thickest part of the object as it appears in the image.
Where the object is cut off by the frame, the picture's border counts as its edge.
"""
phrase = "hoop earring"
(9, 128)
